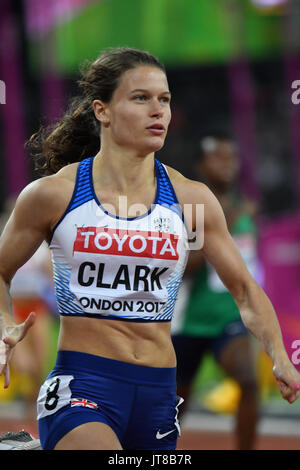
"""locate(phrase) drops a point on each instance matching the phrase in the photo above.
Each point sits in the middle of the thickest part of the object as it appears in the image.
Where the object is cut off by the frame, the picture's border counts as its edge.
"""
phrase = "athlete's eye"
(140, 98)
(165, 99)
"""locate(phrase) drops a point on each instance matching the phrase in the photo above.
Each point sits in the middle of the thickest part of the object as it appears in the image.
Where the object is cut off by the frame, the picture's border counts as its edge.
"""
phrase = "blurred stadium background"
(232, 64)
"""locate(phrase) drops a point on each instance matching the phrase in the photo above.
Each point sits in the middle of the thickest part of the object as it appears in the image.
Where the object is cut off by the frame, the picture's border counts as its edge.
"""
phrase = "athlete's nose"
(156, 109)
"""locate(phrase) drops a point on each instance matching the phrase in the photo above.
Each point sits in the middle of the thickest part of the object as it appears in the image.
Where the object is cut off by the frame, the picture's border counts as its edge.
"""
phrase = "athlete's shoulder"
(47, 197)
(47, 186)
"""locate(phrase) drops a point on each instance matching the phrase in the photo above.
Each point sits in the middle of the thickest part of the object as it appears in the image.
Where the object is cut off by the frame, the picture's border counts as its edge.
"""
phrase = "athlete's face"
(220, 166)
(139, 112)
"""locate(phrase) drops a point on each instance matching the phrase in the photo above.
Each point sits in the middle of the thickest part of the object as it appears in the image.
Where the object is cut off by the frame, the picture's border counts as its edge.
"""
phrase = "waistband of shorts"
(99, 365)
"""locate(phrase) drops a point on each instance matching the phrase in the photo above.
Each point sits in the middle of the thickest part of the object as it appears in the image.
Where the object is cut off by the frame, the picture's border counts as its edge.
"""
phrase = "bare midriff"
(141, 343)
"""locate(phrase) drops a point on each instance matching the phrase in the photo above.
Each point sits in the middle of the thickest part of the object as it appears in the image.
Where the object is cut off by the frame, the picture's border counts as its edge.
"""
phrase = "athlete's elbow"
(242, 291)
(5, 277)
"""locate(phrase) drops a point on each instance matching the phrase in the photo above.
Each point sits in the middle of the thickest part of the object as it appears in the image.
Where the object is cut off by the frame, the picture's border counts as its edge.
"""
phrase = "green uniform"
(210, 307)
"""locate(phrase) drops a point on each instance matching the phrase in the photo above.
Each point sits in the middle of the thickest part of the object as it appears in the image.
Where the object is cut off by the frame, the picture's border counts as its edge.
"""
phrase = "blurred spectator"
(210, 321)
(32, 290)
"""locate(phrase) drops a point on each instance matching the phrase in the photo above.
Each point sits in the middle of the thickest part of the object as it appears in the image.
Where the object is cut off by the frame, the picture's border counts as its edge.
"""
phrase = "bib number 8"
(52, 397)
(54, 394)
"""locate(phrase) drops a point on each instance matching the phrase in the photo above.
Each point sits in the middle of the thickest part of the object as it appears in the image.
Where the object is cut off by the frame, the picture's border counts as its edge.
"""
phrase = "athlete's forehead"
(143, 78)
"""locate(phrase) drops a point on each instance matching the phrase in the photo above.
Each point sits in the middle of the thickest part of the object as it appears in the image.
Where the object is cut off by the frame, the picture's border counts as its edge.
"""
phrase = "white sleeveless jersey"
(107, 266)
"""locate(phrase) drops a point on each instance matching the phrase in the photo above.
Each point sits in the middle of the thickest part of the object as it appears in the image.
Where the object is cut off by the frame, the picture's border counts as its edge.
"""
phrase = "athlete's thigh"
(90, 436)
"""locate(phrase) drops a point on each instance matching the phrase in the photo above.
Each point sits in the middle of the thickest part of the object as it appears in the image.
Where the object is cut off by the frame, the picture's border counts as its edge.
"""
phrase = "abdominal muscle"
(147, 344)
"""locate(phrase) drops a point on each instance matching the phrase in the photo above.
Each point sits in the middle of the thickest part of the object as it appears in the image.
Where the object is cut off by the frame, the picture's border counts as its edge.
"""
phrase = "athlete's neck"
(124, 171)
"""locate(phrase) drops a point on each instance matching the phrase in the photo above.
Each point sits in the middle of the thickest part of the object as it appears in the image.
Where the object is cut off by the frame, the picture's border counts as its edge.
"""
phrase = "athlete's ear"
(101, 112)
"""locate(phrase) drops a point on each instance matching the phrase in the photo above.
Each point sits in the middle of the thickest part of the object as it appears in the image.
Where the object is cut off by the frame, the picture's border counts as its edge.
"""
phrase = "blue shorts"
(138, 402)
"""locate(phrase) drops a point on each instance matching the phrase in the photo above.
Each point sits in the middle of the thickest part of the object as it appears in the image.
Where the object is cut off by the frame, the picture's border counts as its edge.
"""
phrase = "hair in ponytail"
(77, 134)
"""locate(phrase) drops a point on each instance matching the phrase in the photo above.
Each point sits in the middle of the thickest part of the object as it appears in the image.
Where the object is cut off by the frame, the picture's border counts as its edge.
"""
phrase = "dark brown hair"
(77, 134)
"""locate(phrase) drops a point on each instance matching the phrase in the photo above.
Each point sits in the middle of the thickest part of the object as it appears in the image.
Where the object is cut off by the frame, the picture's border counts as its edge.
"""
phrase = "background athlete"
(210, 321)
(125, 99)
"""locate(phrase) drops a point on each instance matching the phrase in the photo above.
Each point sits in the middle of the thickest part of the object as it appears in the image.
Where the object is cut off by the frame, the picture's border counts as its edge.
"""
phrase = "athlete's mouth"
(156, 128)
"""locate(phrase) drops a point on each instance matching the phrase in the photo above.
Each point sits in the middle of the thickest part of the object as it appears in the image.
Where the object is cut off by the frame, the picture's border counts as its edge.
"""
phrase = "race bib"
(54, 394)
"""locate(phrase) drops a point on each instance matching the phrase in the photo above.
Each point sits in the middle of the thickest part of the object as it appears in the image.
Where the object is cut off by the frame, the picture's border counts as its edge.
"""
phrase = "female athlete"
(114, 219)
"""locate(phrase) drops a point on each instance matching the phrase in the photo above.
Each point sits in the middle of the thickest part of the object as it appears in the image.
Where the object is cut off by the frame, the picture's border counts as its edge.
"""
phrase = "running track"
(189, 440)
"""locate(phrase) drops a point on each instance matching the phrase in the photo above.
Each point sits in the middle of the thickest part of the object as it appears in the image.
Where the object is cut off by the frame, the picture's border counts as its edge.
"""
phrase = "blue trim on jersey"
(65, 299)
(81, 192)
(108, 213)
(114, 317)
(166, 195)
(84, 191)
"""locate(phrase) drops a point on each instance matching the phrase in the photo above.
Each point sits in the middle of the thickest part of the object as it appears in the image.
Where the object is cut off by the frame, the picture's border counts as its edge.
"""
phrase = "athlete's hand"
(288, 380)
(11, 335)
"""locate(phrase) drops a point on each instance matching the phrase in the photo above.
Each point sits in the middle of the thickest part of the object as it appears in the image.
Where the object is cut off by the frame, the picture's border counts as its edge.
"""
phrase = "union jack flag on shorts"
(83, 402)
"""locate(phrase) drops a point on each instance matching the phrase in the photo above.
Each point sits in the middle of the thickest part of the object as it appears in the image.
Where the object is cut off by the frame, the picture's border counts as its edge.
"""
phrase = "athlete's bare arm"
(255, 308)
(36, 212)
